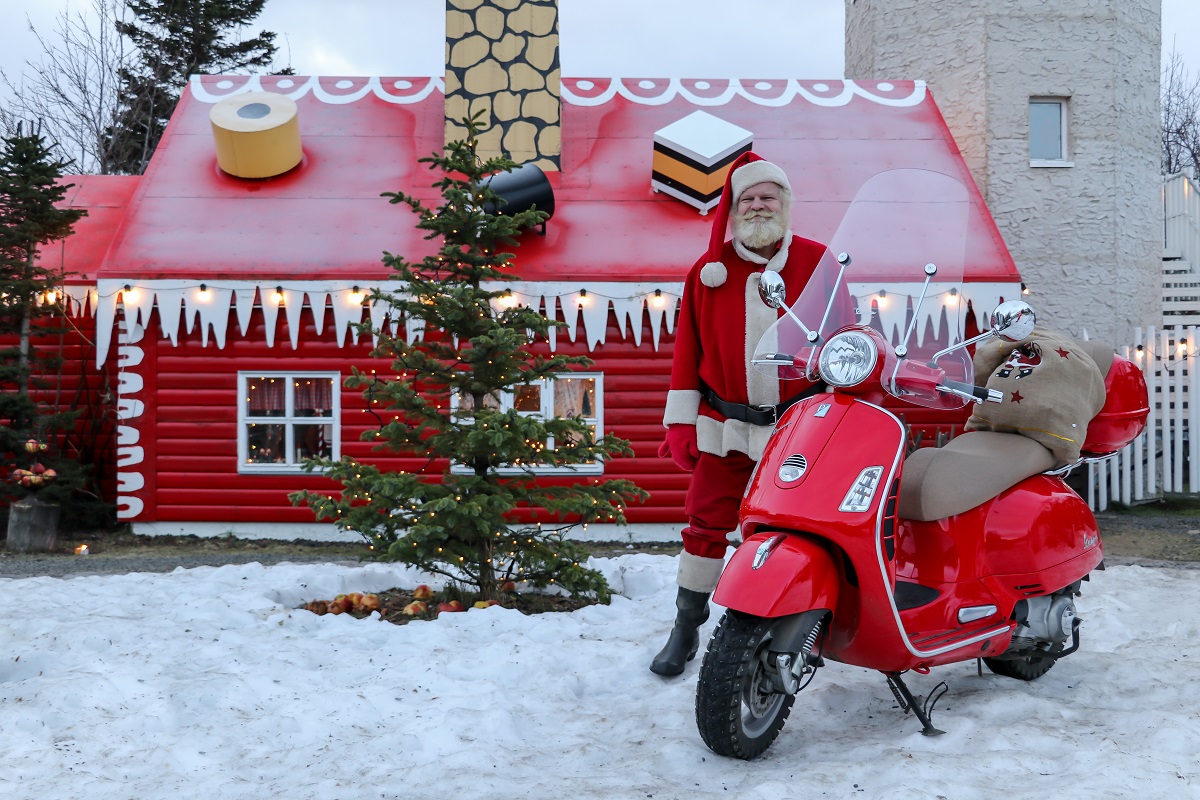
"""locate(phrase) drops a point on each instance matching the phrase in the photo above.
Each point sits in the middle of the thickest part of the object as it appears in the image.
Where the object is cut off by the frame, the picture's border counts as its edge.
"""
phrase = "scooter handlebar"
(978, 394)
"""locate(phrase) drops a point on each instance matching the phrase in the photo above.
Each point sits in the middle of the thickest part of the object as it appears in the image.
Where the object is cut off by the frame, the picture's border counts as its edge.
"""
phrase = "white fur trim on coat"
(720, 438)
(713, 274)
(683, 406)
(699, 574)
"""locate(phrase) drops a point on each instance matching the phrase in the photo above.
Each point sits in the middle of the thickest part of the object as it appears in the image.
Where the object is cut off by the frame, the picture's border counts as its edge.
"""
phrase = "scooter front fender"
(774, 574)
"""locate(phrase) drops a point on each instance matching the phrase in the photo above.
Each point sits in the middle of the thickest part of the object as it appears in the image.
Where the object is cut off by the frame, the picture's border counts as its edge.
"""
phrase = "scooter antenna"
(902, 350)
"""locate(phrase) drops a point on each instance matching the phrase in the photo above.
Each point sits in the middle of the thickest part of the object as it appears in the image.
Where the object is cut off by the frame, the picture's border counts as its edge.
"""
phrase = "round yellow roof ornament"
(257, 134)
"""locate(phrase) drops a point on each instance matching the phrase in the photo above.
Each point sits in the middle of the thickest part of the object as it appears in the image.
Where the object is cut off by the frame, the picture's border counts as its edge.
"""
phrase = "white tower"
(1055, 107)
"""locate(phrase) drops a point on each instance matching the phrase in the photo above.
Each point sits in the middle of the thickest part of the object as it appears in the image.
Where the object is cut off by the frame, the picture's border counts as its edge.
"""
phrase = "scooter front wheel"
(739, 711)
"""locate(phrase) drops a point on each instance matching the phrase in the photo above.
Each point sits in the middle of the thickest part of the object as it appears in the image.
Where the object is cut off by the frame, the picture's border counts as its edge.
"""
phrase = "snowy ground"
(207, 683)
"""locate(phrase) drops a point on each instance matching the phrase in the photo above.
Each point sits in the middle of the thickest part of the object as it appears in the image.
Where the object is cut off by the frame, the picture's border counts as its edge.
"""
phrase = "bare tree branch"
(73, 87)
(1180, 118)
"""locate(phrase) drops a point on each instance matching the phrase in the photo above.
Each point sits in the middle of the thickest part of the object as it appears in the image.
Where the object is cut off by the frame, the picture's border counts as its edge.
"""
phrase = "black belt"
(755, 415)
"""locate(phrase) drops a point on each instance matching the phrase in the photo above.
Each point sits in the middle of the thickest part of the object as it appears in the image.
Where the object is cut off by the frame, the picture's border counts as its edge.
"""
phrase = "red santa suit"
(722, 318)
(714, 415)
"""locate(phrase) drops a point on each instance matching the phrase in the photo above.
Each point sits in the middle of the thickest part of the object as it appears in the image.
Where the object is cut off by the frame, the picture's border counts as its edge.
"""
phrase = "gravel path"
(64, 566)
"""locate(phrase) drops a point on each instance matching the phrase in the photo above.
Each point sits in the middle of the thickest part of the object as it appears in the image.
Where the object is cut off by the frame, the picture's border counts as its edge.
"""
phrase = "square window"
(575, 394)
(1048, 132)
(284, 418)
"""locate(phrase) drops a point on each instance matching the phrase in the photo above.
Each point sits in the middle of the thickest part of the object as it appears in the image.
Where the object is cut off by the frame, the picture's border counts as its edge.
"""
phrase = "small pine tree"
(30, 216)
(468, 526)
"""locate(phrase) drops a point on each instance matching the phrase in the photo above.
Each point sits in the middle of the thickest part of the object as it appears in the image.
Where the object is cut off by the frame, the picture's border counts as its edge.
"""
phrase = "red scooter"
(830, 568)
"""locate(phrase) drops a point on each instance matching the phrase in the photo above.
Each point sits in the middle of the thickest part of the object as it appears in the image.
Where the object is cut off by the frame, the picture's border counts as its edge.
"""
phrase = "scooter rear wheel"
(738, 710)
(1023, 669)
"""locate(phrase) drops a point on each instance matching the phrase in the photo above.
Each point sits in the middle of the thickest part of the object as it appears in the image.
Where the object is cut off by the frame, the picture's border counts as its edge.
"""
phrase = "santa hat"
(747, 170)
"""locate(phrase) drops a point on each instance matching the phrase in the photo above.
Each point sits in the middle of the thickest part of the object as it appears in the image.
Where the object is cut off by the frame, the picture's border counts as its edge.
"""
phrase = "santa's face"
(760, 219)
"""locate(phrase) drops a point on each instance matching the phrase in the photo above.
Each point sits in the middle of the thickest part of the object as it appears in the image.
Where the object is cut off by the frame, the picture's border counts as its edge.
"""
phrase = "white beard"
(759, 230)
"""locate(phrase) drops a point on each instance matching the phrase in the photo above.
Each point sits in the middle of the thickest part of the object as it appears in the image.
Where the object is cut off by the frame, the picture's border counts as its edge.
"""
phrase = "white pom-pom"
(713, 274)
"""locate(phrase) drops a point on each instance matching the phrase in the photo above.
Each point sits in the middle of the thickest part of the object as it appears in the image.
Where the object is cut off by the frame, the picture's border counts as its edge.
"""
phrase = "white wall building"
(1056, 108)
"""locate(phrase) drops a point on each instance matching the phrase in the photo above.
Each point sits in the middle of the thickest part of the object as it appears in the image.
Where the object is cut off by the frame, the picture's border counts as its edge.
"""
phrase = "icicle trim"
(210, 304)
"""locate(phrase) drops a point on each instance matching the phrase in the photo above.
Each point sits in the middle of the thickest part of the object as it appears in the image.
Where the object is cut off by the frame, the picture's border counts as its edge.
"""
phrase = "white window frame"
(1063, 132)
(291, 464)
(547, 411)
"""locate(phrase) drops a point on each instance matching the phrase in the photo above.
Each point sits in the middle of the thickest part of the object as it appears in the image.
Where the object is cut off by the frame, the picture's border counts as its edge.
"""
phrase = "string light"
(204, 293)
(658, 301)
(356, 296)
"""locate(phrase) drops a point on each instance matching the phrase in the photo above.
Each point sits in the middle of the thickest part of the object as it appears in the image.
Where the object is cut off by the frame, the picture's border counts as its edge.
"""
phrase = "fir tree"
(446, 398)
(175, 39)
(30, 217)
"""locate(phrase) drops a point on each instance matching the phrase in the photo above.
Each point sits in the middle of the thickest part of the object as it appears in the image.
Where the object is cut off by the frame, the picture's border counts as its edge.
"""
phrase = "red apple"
(49, 475)
(343, 603)
(422, 592)
(37, 469)
(368, 603)
(508, 586)
(32, 446)
(414, 608)
(453, 605)
(486, 603)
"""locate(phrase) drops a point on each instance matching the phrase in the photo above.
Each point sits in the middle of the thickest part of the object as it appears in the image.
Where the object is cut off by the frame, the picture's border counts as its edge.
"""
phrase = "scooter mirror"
(1013, 320)
(772, 289)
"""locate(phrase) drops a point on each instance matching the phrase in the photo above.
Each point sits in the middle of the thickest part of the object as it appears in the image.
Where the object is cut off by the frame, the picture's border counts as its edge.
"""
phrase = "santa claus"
(720, 412)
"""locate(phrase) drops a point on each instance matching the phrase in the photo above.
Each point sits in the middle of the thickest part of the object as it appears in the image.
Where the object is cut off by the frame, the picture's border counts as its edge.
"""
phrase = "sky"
(212, 683)
(599, 38)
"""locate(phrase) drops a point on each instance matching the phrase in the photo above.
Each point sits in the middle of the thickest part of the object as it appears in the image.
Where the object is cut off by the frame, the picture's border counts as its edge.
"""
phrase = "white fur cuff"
(713, 274)
(699, 574)
(683, 405)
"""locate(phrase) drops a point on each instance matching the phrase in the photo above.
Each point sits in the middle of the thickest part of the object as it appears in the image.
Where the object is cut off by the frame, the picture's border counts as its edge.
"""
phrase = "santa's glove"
(680, 446)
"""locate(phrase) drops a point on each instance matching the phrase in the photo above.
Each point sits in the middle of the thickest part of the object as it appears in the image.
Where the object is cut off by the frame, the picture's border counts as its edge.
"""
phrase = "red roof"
(106, 198)
(326, 220)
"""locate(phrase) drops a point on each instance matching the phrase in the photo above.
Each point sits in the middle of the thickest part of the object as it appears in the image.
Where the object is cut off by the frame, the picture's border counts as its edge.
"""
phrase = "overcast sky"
(599, 38)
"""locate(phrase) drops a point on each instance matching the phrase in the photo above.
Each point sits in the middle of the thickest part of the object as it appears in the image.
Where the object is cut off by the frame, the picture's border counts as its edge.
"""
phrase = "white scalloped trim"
(773, 94)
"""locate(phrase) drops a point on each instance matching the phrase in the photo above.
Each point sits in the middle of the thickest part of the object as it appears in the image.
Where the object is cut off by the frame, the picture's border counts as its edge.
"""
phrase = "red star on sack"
(1016, 398)
(1063, 353)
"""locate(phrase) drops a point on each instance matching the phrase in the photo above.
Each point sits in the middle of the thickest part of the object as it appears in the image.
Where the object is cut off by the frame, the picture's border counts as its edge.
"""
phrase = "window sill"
(1037, 162)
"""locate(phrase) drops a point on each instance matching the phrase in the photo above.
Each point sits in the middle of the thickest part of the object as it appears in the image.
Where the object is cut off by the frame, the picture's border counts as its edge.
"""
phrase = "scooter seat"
(971, 469)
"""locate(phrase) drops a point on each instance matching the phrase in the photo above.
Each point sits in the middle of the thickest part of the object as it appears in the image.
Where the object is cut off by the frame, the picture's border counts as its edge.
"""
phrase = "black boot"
(684, 640)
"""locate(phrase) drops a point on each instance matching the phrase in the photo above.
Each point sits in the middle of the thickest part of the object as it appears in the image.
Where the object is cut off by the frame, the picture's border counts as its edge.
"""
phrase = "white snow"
(209, 684)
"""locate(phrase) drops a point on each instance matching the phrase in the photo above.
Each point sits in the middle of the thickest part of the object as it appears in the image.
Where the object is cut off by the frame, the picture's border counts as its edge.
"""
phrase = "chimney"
(502, 58)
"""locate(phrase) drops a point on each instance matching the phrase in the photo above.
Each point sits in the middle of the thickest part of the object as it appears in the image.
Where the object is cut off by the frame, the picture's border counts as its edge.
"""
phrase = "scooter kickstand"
(908, 702)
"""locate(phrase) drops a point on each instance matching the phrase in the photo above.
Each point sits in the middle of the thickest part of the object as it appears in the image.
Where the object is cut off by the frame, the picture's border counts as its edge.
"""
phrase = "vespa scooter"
(829, 569)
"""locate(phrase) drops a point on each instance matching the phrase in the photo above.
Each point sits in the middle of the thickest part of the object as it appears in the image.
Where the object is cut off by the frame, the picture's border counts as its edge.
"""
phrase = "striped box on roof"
(692, 157)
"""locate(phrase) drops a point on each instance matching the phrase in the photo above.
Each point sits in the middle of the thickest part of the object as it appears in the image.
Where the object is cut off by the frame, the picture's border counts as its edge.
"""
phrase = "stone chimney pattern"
(502, 59)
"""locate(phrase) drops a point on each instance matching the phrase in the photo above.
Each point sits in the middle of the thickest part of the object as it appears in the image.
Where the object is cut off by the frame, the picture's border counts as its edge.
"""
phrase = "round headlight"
(848, 358)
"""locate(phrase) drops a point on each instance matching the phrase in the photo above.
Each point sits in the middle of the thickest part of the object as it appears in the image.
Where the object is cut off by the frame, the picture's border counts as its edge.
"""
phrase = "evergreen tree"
(31, 216)
(447, 400)
(175, 39)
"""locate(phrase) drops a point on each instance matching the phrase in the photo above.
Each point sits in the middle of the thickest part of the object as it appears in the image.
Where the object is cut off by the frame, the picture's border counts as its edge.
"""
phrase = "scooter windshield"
(905, 236)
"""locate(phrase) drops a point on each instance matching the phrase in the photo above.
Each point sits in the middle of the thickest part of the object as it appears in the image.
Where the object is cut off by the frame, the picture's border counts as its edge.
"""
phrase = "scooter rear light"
(862, 491)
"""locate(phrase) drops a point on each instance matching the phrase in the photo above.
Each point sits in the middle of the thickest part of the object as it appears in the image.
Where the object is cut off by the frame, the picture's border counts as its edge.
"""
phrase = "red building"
(223, 307)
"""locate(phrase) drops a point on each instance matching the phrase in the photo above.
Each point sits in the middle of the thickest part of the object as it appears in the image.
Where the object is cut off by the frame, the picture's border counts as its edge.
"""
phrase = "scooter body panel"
(778, 574)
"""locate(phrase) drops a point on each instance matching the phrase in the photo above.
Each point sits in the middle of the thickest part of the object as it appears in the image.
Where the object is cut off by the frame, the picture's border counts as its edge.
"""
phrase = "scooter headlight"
(848, 358)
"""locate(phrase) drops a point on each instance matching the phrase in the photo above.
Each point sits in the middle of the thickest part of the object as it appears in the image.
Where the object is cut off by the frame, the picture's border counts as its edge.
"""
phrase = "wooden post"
(32, 526)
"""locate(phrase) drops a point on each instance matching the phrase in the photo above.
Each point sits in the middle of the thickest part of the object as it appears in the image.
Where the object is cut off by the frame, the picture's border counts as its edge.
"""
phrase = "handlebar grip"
(979, 394)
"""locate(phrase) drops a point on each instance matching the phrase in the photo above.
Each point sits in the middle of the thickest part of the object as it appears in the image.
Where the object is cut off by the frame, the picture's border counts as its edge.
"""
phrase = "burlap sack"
(1052, 388)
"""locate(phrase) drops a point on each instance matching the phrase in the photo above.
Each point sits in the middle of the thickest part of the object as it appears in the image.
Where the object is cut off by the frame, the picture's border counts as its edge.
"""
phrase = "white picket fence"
(1159, 459)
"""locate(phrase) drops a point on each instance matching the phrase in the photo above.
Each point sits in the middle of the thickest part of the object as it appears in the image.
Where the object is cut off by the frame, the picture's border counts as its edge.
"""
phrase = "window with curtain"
(567, 395)
(284, 418)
